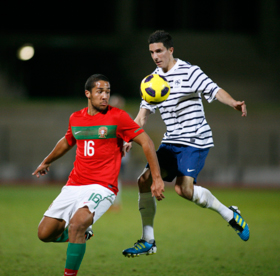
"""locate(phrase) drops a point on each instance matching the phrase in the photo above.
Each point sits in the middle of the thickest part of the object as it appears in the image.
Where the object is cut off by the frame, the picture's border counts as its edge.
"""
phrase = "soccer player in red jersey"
(98, 131)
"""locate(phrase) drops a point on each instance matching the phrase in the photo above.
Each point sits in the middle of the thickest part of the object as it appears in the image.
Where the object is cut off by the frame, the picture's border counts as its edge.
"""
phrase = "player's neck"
(170, 65)
(91, 110)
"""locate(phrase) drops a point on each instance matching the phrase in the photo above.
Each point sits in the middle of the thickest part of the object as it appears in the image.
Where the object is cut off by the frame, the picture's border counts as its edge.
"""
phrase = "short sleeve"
(69, 136)
(127, 128)
(200, 82)
(148, 106)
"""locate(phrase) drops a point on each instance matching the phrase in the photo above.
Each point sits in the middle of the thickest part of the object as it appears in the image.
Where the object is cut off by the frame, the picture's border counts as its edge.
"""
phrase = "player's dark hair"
(90, 83)
(161, 36)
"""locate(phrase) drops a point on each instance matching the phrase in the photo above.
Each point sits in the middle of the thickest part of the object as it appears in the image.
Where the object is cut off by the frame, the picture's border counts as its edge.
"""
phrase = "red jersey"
(99, 140)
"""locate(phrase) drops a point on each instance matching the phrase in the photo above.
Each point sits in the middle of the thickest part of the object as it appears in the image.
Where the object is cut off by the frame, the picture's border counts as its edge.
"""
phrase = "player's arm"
(141, 119)
(147, 145)
(59, 150)
(226, 98)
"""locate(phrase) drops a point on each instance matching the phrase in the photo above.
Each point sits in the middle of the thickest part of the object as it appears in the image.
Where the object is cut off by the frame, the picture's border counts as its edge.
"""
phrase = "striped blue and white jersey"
(183, 112)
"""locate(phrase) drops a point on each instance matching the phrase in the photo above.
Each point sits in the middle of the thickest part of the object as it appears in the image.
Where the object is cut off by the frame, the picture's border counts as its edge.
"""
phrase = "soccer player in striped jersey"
(98, 131)
(186, 142)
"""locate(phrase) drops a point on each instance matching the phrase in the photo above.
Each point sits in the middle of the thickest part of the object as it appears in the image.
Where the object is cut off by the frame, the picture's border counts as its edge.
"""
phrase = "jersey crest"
(102, 132)
(177, 83)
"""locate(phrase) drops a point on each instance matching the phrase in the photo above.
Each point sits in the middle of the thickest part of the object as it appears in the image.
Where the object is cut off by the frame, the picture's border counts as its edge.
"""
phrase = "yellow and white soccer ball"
(154, 89)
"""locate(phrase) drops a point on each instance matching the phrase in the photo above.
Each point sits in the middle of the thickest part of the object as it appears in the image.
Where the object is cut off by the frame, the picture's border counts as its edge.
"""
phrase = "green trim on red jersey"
(137, 129)
(94, 132)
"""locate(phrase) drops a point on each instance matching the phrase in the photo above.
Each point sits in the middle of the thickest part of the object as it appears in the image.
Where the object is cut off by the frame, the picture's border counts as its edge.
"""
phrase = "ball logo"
(102, 132)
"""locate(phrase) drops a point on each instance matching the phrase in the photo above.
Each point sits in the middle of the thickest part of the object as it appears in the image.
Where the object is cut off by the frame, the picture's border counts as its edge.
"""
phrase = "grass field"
(190, 240)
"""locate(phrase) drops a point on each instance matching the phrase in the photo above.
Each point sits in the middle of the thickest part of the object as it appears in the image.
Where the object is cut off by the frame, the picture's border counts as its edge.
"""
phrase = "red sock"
(70, 272)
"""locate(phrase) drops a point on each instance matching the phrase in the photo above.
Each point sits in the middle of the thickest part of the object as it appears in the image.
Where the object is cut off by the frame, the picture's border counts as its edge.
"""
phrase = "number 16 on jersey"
(88, 148)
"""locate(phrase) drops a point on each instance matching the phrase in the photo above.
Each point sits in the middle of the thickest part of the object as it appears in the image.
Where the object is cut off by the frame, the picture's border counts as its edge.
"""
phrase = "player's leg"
(147, 204)
(93, 202)
(205, 199)
(76, 249)
(51, 229)
(201, 196)
(190, 163)
(78, 225)
(53, 226)
(147, 208)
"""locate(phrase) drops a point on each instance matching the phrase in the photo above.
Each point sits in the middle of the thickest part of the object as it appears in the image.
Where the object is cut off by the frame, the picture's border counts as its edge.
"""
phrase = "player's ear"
(87, 93)
(171, 50)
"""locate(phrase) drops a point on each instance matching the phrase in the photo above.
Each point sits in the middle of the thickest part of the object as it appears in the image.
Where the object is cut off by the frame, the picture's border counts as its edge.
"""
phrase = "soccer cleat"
(88, 234)
(141, 247)
(239, 224)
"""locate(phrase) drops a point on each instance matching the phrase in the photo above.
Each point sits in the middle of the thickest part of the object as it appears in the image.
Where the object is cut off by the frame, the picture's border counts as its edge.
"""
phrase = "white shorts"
(97, 198)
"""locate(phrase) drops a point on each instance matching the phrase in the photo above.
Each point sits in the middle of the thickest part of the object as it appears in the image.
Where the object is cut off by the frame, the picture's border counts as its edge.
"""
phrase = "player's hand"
(241, 106)
(157, 189)
(126, 148)
(41, 170)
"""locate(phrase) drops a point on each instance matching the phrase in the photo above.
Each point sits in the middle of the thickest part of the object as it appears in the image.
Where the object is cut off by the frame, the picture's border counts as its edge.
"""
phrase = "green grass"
(190, 240)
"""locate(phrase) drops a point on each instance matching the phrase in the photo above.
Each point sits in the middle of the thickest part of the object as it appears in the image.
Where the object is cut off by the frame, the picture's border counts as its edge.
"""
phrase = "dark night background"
(76, 40)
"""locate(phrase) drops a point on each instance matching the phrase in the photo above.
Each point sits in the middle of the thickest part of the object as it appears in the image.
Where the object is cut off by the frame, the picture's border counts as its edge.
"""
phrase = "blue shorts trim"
(180, 160)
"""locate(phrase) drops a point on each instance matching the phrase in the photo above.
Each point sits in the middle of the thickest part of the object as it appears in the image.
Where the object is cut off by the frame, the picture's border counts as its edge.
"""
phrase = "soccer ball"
(154, 89)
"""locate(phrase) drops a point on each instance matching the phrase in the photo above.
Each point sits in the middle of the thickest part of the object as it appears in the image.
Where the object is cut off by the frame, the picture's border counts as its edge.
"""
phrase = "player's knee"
(81, 221)
(141, 180)
(184, 187)
(185, 191)
(77, 228)
(44, 235)
(144, 180)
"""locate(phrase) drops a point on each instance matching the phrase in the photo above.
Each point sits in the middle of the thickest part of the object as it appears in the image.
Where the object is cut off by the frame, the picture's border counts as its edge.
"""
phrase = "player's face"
(99, 96)
(162, 57)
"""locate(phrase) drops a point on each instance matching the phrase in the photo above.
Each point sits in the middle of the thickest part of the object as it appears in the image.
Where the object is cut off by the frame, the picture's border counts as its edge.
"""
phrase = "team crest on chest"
(178, 83)
(102, 132)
